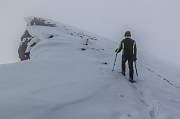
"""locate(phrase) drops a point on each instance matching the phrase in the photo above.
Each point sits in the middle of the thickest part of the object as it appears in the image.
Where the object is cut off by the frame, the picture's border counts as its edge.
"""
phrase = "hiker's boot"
(130, 79)
(123, 73)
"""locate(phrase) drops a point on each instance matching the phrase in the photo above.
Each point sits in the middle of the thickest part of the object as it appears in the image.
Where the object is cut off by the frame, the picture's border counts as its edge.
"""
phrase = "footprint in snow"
(122, 96)
(129, 115)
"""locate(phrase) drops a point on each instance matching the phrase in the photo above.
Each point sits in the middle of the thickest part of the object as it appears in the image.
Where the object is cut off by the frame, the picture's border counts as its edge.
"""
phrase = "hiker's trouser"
(130, 64)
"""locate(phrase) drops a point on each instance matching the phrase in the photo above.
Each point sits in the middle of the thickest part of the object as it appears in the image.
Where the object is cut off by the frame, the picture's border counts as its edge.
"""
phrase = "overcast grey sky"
(155, 24)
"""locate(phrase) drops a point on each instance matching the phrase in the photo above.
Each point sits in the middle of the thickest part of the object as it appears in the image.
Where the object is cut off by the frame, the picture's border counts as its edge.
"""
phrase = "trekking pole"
(135, 68)
(114, 61)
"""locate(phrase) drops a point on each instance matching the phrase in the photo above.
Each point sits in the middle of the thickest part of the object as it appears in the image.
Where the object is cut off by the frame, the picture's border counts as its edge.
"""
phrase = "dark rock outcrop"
(26, 37)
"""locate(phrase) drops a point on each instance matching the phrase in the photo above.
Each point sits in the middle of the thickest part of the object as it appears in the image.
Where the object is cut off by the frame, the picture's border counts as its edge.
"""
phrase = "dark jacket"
(128, 47)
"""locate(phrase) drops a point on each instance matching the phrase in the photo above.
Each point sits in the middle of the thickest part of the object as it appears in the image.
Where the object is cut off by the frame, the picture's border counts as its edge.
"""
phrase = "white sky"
(155, 25)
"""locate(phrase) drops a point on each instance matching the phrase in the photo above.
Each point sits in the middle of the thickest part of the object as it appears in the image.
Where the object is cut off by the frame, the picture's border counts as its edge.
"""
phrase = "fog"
(155, 25)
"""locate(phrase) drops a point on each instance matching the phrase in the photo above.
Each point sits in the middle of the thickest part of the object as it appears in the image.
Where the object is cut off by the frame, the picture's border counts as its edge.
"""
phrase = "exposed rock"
(29, 38)
(26, 37)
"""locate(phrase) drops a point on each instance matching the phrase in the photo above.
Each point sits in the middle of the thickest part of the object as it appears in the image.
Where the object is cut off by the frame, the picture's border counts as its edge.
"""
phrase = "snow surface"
(70, 77)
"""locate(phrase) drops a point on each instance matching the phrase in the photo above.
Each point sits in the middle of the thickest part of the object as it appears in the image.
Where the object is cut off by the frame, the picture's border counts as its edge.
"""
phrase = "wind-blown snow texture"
(70, 76)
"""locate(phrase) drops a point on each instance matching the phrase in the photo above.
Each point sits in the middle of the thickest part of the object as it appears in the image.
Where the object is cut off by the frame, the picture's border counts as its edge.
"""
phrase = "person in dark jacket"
(129, 52)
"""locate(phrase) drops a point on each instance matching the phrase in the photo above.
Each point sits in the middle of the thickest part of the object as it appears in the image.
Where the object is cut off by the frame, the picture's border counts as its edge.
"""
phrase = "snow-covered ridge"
(69, 76)
(39, 29)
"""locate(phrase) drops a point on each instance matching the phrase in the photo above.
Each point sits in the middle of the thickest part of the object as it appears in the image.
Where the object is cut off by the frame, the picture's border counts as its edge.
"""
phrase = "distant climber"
(129, 52)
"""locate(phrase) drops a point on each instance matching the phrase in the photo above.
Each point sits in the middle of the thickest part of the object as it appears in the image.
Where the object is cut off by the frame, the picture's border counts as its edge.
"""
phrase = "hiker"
(129, 52)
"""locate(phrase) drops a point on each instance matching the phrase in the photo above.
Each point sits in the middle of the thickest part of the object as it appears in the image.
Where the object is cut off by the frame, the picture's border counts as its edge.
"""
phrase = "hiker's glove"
(117, 50)
(135, 59)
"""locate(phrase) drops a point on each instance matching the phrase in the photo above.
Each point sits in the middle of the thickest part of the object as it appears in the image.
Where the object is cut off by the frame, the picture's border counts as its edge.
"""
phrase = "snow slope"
(70, 77)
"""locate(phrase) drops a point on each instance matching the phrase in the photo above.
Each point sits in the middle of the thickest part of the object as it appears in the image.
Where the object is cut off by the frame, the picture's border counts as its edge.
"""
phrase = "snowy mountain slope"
(69, 77)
